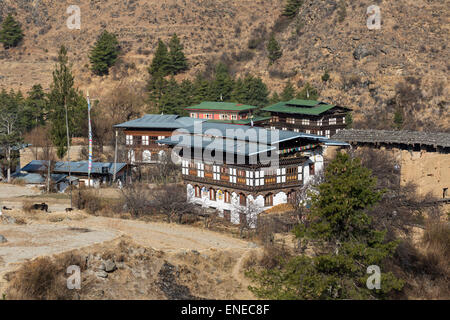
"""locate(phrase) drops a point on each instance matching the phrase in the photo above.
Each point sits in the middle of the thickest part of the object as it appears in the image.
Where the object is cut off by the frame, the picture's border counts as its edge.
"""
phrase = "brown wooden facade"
(142, 145)
(326, 124)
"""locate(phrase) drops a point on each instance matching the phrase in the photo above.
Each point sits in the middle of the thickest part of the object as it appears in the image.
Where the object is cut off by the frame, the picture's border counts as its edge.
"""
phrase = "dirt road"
(164, 236)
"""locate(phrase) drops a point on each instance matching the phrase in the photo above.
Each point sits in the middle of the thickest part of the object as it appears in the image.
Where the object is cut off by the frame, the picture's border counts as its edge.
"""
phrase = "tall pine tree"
(251, 90)
(274, 49)
(63, 94)
(222, 85)
(104, 53)
(178, 62)
(292, 7)
(34, 113)
(11, 32)
(342, 233)
(288, 92)
(161, 63)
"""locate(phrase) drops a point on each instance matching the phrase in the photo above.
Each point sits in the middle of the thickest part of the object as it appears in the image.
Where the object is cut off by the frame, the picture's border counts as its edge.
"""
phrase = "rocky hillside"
(405, 64)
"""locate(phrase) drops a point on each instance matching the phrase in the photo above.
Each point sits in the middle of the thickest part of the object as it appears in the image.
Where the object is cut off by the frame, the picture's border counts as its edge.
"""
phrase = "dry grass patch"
(43, 278)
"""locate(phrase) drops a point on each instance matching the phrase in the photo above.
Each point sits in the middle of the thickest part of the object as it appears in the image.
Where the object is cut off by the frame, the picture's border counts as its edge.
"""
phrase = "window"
(343, 120)
(332, 121)
(272, 128)
(249, 176)
(227, 197)
(146, 156)
(259, 178)
(160, 138)
(300, 173)
(234, 117)
(281, 175)
(284, 129)
(308, 131)
(129, 140)
(319, 122)
(145, 140)
(296, 130)
(216, 172)
(319, 132)
(212, 194)
(233, 174)
(290, 120)
(275, 119)
(194, 115)
(291, 174)
(242, 199)
(131, 156)
(268, 200)
(305, 122)
(327, 133)
(200, 170)
(312, 169)
(185, 167)
(198, 192)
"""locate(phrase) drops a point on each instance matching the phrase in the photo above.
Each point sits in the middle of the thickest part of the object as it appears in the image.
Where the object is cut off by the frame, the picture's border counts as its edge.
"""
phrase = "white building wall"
(279, 198)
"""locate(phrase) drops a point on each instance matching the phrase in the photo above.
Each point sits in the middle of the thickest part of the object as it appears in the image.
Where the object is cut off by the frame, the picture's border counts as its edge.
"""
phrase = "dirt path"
(164, 236)
(8, 191)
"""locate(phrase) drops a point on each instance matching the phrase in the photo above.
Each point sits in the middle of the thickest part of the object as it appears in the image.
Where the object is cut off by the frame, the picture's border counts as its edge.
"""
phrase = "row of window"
(307, 122)
(141, 140)
(222, 116)
(248, 177)
(326, 133)
(225, 196)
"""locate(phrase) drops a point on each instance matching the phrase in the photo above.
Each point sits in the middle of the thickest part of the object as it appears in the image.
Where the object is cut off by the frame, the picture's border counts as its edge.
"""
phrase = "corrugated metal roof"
(296, 106)
(75, 166)
(247, 133)
(36, 178)
(159, 121)
(239, 139)
(434, 139)
(223, 106)
(218, 144)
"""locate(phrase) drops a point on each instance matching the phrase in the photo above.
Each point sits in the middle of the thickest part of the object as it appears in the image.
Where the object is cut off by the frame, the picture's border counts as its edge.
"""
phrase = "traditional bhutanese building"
(227, 167)
(307, 116)
(226, 112)
(141, 135)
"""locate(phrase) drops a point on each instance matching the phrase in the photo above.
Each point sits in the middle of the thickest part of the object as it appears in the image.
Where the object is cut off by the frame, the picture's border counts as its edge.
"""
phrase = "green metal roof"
(309, 107)
(224, 106)
(306, 103)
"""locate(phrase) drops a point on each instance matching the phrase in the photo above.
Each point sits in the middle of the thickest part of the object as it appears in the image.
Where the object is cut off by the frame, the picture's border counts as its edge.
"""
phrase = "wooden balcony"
(225, 183)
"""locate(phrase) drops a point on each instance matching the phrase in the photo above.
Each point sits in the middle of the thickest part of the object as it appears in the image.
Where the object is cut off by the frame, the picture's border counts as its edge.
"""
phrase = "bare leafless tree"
(137, 198)
(164, 170)
(248, 216)
(171, 200)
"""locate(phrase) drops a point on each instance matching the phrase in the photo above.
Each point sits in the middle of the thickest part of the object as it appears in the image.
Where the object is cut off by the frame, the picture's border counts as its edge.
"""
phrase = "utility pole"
(68, 151)
(90, 141)
(115, 159)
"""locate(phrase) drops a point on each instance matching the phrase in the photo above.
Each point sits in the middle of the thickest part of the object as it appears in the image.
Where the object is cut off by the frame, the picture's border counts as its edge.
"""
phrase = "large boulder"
(109, 266)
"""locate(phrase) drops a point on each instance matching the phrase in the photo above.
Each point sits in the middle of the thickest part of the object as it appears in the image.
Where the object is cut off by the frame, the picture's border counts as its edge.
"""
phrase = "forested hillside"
(392, 77)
